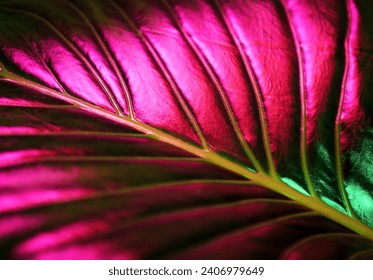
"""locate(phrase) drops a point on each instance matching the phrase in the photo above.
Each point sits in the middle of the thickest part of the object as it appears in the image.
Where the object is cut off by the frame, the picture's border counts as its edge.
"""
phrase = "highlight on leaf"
(203, 129)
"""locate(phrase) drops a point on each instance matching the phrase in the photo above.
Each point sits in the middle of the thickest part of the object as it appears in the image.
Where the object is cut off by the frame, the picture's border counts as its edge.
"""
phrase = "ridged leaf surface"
(222, 129)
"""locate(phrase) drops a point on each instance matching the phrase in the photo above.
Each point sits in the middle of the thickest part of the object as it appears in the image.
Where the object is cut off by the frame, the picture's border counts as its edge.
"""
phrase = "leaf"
(186, 129)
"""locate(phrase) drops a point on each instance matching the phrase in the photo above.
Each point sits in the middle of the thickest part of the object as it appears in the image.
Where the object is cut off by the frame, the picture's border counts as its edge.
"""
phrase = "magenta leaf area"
(172, 129)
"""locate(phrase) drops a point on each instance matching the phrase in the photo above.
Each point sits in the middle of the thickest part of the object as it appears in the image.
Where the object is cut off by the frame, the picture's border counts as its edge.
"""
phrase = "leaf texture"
(186, 129)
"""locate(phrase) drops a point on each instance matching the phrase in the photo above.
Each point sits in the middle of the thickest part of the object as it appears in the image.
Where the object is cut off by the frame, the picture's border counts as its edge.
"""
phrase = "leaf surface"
(186, 129)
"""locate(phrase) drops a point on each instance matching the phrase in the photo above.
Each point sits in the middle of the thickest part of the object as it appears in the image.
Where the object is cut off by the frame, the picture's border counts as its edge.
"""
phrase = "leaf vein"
(215, 80)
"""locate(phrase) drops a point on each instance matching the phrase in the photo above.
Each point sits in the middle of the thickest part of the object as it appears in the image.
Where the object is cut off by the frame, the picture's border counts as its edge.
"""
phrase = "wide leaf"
(186, 129)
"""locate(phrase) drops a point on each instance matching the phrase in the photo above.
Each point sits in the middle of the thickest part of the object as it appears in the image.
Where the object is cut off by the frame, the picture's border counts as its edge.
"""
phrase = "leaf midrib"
(270, 181)
(214, 158)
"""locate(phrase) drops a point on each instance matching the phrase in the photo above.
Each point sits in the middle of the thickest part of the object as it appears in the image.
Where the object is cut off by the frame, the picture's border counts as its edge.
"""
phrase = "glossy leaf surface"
(186, 129)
